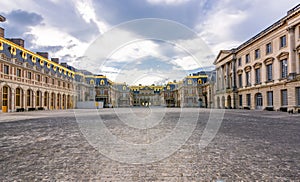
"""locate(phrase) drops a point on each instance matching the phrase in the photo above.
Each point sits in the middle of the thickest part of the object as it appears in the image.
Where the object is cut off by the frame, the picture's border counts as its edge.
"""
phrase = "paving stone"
(250, 146)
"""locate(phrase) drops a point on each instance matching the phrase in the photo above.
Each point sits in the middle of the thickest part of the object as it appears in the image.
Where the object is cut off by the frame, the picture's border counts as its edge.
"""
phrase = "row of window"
(38, 77)
(29, 98)
(269, 74)
(269, 50)
(270, 101)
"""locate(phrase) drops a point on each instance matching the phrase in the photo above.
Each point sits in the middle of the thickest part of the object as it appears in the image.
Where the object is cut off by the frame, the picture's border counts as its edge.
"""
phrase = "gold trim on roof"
(24, 55)
(3, 40)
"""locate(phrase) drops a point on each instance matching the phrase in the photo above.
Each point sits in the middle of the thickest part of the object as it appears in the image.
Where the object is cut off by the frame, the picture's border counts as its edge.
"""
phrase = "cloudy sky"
(144, 51)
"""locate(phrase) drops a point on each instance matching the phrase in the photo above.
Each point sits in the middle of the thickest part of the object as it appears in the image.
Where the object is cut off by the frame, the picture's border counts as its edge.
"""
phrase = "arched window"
(168, 87)
(92, 82)
(189, 81)
(102, 82)
(46, 99)
(52, 100)
(18, 97)
(38, 98)
(5, 96)
(199, 81)
(124, 87)
(29, 97)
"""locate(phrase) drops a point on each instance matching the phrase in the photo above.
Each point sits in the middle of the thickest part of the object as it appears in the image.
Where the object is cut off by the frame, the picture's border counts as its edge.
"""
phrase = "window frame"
(19, 72)
(241, 100)
(270, 99)
(269, 48)
(283, 68)
(269, 72)
(247, 58)
(284, 97)
(257, 76)
(257, 53)
(283, 42)
(6, 69)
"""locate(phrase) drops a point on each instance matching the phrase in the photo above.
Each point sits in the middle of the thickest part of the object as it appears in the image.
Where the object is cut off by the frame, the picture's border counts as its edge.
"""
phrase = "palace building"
(31, 81)
(263, 72)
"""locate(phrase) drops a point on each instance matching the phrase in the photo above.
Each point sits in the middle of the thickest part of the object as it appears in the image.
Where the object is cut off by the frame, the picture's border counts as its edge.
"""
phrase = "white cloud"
(137, 50)
(52, 36)
(168, 2)
(228, 23)
(86, 9)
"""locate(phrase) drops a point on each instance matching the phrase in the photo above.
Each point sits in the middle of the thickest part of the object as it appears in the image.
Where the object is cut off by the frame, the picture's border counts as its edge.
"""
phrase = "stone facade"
(264, 72)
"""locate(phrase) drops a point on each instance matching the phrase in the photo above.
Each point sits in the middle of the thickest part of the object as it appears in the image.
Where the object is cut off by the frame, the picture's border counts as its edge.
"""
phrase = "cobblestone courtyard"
(250, 145)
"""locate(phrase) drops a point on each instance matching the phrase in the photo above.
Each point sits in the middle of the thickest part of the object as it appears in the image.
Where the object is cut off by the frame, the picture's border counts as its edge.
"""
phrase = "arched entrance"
(19, 98)
(6, 104)
(29, 98)
(258, 101)
(218, 103)
(38, 99)
(46, 100)
(223, 102)
(52, 101)
(64, 101)
(58, 101)
(229, 102)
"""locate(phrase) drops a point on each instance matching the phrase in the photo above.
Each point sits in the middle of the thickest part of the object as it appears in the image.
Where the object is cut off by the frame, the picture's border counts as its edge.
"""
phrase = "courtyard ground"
(250, 145)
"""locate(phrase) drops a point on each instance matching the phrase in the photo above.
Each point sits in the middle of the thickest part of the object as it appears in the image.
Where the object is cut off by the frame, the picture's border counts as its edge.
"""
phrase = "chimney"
(64, 65)
(56, 60)
(43, 54)
(2, 18)
(17, 41)
(1, 32)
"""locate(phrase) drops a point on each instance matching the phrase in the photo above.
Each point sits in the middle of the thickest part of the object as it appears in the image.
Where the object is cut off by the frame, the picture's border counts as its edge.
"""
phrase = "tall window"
(270, 98)
(6, 69)
(257, 76)
(19, 72)
(284, 68)
(46, 79)
(38, 77)
(269, 72)
(29, 75)
(248, 78)
(298, 95)
(38, 97)
(240, 80)
(46, 99)
(247, 58)
(284, 98)
(241, 100)
(239, 61)
(52, 100)
(269, 48)
(283, 41)
(257, 53)
(29, 98)
(248, 100)
(18, 97)
(5, 96)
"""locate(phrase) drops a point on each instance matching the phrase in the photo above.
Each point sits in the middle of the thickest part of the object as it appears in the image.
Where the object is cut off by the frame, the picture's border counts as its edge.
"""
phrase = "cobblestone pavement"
(250, 145)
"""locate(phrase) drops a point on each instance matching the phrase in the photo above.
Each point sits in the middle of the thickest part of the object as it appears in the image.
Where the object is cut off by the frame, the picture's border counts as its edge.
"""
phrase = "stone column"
(298, 61)
(42, 99)
(24, 99)
(222, 77)
(292, 55)
(227, 75)
(12, 103)
(33, 99)
(263, 73)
